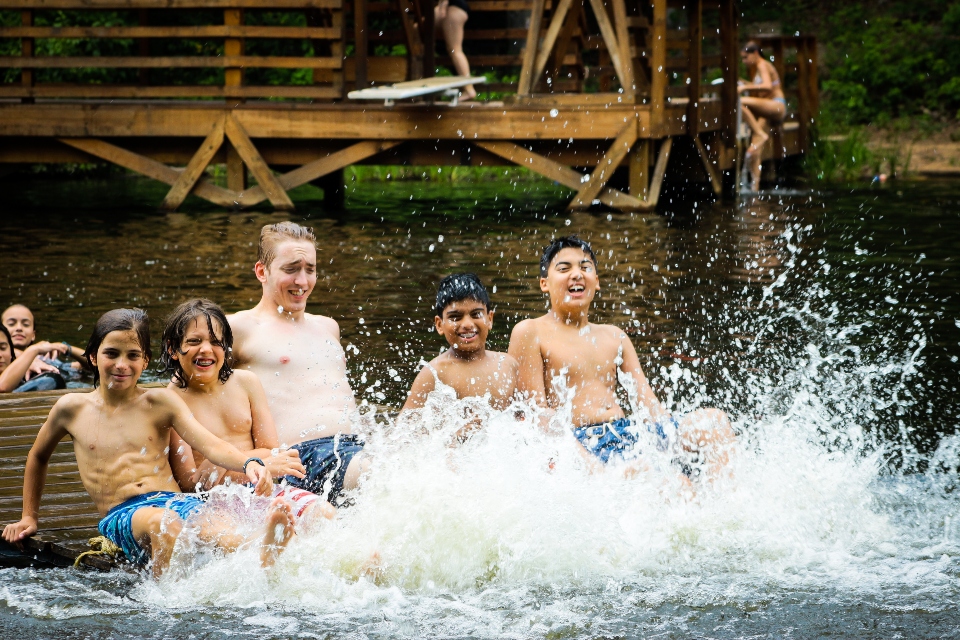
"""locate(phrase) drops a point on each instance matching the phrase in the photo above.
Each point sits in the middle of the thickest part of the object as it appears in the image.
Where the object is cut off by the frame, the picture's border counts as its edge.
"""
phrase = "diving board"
(415, 88)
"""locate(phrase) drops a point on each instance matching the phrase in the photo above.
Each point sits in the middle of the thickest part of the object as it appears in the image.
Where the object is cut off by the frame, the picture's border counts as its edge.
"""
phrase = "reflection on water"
(826, 323)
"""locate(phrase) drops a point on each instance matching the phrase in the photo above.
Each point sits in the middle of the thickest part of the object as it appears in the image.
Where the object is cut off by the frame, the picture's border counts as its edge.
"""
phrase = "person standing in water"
(764, 107)
(299, 360)
(564, 343)
(450, 16)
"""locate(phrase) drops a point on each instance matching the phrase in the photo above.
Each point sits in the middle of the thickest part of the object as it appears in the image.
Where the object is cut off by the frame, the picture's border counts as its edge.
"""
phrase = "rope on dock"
(99, 546)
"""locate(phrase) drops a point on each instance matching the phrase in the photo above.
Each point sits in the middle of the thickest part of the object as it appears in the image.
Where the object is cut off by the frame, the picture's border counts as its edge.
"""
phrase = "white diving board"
(414, 88)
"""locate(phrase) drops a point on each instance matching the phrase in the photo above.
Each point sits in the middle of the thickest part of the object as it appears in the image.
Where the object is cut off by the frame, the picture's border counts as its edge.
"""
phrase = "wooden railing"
(174, 49)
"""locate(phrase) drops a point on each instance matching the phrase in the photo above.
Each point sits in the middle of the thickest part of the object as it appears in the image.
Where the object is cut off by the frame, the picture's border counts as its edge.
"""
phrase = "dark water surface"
(826, 322)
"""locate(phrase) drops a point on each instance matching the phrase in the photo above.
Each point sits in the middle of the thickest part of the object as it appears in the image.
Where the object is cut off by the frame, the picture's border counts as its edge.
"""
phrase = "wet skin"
(296, 355)
(468, 367)
(235, 411)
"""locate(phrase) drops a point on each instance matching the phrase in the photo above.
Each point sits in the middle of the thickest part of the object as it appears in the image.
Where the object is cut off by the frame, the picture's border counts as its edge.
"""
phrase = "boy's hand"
(259, 476)
(285, 463)
(16, 532)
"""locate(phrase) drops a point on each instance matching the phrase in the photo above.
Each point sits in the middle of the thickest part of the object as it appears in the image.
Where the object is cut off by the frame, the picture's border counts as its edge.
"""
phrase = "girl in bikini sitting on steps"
(764, 107)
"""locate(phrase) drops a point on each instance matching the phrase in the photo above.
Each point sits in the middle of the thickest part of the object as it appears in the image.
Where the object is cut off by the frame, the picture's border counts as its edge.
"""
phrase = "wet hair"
(551, 250)
(176, 328)
(752, 46)
(273, 234)
(6, 334)
(460, 286)
(135, 320)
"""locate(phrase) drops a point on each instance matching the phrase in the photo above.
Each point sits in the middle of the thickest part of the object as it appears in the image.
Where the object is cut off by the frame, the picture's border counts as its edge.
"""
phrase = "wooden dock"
(593, 94)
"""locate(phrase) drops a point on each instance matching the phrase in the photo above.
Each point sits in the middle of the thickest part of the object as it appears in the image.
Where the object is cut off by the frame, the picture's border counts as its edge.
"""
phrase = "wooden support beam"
(26, 51)
(730, 61)
(563, 44)
(150, 168)
(550, 39)
(361, 43)
(184, 184)
(694, 64)
(629, 80)
(233, 47)
(525, 84)
(609, 35)
(236, 171)
(659, 171)
(640, 169)
(555, 171)
(265, 178)
(708, 164)
(658, 68)
(411, 27)
(429, 36)
(318, 168)
(608, 164)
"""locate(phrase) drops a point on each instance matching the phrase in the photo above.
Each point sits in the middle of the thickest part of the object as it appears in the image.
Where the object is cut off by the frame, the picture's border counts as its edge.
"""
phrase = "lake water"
(827, 323)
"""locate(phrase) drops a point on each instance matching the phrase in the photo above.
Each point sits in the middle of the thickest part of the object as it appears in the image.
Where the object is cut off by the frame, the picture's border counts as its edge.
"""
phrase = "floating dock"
(597, 95)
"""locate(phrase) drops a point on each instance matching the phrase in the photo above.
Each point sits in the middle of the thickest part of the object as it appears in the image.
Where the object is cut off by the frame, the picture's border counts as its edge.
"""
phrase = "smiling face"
(119, 360)
(291, 276)
(571, 280)
(19, 322)
(200, 357)
(465, 324)
(5, 349)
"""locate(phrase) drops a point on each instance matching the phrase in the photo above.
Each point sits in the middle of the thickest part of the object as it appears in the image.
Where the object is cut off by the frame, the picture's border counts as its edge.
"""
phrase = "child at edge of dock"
(121, 437)
(464, 318)
(564, 343)
(231, 404)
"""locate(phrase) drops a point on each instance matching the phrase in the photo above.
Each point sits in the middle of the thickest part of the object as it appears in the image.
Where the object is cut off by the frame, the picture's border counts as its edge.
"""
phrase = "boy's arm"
(423, 384)
(645, 395)
(264, 432)
(213, 448)
(35, 474)
(183, 464)
(525, 347)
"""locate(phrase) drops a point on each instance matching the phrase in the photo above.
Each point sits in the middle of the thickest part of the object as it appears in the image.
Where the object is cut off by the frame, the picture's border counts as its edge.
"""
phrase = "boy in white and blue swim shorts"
(562, 350)
(121, 434)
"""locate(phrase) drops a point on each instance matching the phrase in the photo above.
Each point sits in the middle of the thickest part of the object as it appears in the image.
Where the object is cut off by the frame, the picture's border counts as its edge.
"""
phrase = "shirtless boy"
(121, 435)
(565, 342)
(298, 358)
(197, 343)
(464, 318)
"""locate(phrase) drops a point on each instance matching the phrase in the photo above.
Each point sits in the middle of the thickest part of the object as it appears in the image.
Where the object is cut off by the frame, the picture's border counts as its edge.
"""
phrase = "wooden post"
(563, 42)
(411, 27)
(429, 36)
(361, 44)
(26, 50)
(334, 48)
(694, 64)
(730, 54)
(232, 76)
(143, 46)
(803, 100)
(236, 171)
(778, 58)
(658, 67)
(334, 191)
(813, 89)
(640, 169)
(629, 79)
(560, 15)
(526, 82)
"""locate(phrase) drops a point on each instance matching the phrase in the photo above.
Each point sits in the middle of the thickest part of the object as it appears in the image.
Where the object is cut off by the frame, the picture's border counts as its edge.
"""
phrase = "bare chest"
(584, 355)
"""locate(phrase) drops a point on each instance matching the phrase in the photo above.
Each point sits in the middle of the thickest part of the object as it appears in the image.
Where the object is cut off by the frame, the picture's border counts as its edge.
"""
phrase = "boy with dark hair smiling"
(121, 436)
(464, 318)
(564, 342)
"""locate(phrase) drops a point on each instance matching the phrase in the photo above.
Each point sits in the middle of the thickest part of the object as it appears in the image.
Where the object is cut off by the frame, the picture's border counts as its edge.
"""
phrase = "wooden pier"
(594, 94)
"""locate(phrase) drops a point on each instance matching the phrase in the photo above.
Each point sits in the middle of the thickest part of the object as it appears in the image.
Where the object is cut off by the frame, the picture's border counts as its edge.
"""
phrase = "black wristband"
(249, 460)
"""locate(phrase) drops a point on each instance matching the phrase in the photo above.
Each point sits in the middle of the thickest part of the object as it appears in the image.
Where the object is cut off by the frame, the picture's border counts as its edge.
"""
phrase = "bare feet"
(279, 532)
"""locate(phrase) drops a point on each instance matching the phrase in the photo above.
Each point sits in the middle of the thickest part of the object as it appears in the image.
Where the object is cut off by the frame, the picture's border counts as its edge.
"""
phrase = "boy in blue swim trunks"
(121, 436)
(564, 343)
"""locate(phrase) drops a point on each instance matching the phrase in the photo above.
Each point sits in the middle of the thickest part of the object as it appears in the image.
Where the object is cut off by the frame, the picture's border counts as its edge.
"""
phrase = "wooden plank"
(549, 40)
(181, 91)
(150, 168)
(613, 44)
(318, 168)
(195, 168)
(42, 5)
(211, 31)
(711, 169)
(730, 61)
(232, 48)
(361, 44)
(414, 41)
(629, 80)
(429, 36)
(658, 67)
(26, 51)
(571, 26)
(525, 84)
(694, 65)
(267, 181)
(236, 171)
(608, 164)
(640, 169)
(659, 171)
(168, 62)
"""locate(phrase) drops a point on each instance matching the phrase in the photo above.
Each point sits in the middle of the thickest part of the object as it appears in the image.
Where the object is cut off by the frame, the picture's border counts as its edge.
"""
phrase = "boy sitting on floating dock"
(464, 318)
(196, 343)
(594, 359)
(121, 437)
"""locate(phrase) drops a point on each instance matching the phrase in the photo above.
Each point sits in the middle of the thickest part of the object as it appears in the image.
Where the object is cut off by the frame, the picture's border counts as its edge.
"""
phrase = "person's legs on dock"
(451, 23)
